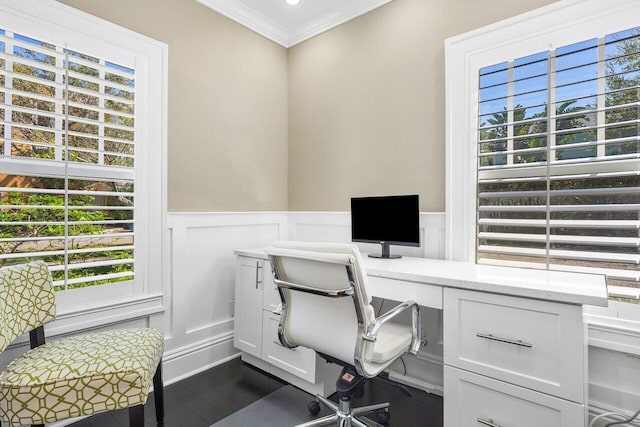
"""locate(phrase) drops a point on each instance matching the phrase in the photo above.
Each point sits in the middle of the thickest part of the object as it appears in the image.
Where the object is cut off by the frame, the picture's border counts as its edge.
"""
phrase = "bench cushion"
(80, 375)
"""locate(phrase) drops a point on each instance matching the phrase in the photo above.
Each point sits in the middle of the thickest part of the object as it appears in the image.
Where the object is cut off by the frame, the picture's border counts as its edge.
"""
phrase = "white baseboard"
(191, 359)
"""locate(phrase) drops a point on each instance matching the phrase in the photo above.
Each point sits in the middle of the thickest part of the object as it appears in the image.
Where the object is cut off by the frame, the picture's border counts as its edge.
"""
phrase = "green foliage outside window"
(49, 222)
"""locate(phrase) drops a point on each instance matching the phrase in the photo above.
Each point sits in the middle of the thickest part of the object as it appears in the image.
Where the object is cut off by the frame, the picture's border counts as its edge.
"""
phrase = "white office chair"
(326, 307)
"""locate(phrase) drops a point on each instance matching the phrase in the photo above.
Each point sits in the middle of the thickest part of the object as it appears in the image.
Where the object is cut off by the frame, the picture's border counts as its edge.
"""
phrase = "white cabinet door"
(472, 400)
(248, 319)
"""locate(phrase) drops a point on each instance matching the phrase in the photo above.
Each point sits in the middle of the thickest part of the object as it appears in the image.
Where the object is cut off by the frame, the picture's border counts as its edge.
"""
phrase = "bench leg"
(136, 416)
(158, 393)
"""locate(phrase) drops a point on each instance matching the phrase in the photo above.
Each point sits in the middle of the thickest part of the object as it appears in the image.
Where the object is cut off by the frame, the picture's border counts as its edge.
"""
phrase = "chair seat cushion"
(393, 340)
(80, 375)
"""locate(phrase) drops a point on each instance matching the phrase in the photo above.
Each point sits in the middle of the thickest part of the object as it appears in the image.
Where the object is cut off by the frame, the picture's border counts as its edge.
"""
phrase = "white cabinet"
(512, 361)
(256, 332)
(248, 306)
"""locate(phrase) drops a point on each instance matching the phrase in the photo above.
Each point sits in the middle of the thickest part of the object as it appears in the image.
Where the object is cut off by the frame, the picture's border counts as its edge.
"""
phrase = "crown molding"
(250, 18)
(335, 18)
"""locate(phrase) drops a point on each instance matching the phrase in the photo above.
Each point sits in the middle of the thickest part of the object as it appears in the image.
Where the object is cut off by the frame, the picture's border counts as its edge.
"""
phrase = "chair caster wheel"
(383, 416)
(313, 407)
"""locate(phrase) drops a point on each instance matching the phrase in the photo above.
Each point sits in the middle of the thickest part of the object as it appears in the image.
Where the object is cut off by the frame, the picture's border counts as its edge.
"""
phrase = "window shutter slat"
(592, 240)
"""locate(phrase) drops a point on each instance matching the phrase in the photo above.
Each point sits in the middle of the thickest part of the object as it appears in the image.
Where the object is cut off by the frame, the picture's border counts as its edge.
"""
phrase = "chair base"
(344, 415)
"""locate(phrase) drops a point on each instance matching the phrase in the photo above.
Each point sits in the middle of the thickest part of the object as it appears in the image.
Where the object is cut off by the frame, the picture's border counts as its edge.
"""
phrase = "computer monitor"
(388, 220)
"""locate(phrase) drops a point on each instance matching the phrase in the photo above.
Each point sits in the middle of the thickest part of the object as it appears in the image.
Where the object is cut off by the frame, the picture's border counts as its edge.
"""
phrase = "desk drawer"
(473, 400)
(536, 344)
(299, 361)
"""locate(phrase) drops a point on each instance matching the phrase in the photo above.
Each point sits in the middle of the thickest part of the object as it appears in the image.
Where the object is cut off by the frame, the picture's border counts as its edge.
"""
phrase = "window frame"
(56, 23)
(559, 24)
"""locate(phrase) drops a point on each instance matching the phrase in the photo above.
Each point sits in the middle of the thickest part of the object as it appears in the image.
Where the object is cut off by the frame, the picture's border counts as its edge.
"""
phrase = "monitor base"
(386, 252)
(385, 257)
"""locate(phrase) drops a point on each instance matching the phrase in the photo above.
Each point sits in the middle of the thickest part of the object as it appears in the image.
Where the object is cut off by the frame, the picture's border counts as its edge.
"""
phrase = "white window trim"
(562, 23)
(151, 59)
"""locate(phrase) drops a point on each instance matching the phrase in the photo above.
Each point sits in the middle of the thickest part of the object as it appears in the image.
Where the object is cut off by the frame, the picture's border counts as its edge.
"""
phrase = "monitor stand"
(385, 252)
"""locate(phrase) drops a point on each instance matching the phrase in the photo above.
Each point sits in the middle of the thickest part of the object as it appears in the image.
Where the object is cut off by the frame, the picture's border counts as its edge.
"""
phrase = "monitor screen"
(390, 219)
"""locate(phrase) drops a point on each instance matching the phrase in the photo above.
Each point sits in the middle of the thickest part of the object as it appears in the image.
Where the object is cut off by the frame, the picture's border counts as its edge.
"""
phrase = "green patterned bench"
(70, 377)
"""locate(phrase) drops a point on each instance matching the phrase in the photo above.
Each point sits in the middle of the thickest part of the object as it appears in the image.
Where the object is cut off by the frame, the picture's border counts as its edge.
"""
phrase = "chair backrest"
(330, 325)
(27, 300)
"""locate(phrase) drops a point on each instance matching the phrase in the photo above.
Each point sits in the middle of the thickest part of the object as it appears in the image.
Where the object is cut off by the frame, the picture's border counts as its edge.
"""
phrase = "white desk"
(433, 275)
(514, 339)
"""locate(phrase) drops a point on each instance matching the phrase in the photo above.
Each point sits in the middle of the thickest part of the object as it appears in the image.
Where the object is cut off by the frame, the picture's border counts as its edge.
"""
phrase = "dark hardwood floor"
(208, 397)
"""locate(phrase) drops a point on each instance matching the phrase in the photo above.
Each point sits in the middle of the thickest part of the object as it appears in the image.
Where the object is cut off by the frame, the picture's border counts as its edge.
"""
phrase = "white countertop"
(572, 288)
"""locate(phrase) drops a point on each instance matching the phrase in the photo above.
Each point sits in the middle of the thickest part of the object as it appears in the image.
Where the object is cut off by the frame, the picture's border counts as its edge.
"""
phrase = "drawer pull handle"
(258, 267)
(489, 422)
(505, 340)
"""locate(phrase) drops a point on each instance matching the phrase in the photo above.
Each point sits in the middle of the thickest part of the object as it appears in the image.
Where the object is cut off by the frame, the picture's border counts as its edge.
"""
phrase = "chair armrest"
(416, 324)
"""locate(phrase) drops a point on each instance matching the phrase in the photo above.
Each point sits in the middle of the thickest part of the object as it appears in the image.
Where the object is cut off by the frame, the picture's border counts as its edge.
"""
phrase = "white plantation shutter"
(559, 160)
(67, 172)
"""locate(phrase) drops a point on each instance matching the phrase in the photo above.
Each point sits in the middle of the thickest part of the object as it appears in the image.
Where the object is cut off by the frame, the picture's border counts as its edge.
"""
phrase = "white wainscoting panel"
(614, 359)
(336, 227)
(200, 323)
(614, 379)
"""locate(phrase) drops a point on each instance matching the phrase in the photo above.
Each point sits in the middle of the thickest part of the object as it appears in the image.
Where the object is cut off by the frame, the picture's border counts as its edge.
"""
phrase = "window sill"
(102, 313)
(622, 292)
